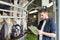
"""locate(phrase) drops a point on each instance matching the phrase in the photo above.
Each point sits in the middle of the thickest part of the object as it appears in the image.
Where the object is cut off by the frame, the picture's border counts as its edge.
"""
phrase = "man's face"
(43, 15)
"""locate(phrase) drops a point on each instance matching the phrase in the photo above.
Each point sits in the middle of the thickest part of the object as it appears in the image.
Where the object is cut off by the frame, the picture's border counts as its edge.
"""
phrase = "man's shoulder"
(51, 20)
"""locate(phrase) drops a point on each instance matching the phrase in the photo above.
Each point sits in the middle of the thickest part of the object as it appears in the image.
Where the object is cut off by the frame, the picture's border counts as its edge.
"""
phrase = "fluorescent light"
(50, 4)
(33, 11)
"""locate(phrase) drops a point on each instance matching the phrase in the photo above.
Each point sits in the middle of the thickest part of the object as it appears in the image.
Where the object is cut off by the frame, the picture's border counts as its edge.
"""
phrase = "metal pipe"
(10, 11)
(28, 3)
(58, 31)
(9, 17)
(54, 11)
(54, 8)
(4, 3)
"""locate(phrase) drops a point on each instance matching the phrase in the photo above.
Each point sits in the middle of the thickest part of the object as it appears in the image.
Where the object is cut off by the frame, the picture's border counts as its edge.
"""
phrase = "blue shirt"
(49, 28)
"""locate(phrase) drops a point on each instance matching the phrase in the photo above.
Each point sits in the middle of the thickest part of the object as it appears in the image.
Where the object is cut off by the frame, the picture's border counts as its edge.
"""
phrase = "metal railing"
(9, 4)
(12, 5)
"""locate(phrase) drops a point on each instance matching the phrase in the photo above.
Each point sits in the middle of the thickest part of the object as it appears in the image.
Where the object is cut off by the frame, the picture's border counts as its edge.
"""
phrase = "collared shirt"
(49, 28)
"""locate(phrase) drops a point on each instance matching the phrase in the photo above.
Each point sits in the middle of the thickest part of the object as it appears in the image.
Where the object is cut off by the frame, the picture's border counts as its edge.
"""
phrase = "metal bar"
(28, 3)
(5, 3)
(54, 11)
(10, 11)
(9, 17)
(7, 10)
(54, 8)
(58, 35)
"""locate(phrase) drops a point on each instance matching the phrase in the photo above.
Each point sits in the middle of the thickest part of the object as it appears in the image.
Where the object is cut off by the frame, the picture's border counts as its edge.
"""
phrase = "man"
(48, 32)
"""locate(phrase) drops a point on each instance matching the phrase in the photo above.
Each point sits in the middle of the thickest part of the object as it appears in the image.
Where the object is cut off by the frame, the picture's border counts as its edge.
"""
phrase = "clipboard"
(33, 29)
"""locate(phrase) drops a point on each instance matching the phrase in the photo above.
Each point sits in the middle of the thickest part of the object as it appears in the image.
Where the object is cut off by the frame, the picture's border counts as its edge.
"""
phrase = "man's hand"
(40, 32)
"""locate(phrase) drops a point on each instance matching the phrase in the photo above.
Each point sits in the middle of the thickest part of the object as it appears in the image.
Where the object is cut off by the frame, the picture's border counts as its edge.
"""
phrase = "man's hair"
(43, 9)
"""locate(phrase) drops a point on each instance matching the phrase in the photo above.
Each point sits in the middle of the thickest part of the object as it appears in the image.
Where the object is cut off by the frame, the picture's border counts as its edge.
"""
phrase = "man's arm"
(47, 34)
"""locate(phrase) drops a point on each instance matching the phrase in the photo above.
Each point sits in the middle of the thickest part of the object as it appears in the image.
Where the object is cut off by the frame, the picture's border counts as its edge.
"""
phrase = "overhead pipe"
(37, 8)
